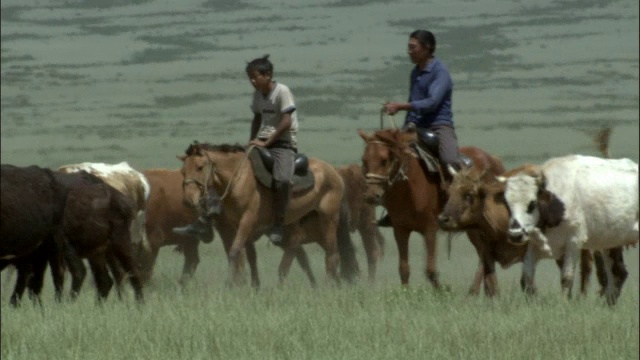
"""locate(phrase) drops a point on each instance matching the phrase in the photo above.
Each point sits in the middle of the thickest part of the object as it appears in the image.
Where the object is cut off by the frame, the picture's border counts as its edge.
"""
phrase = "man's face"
(417, 52)
(260, 82)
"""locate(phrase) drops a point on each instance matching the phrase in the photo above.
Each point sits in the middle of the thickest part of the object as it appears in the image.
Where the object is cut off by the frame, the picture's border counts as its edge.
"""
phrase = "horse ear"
(364, 135)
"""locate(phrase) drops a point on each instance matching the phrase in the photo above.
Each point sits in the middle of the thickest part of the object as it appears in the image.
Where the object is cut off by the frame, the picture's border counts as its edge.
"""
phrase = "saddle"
(262, 163)
(427, 150)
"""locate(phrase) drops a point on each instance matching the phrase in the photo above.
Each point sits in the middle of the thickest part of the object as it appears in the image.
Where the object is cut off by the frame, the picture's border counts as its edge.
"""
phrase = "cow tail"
(349, 269)
(449, 246)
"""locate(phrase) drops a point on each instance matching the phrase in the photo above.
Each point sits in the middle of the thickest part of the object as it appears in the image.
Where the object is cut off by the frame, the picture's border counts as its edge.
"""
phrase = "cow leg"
(586, 261)
(618, 268)
(123, 253)
(570, 261)
(402, 242)
(77, 269)
(601, 272)
(103, 281)
(117, 272)
(430, 242)
(616, 273)
(191, 260)
(25, 272)
(36, 281)
(529, 271)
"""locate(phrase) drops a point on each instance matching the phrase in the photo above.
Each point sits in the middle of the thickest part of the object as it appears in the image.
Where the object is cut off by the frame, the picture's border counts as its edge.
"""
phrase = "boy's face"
(260, 82)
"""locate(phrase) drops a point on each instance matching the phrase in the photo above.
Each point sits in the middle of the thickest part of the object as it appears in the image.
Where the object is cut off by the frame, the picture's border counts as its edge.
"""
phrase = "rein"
(212, 172)
(377, 179)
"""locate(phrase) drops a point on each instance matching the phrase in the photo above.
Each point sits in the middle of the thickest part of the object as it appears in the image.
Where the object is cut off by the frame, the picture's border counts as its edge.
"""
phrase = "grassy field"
(208, 320)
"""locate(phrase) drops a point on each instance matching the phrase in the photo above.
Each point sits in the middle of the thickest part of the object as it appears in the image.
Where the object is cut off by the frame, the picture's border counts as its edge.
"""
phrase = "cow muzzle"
(446, 223)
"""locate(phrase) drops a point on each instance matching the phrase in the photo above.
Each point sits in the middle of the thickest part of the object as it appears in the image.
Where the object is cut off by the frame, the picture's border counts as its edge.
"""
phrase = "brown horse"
(362, 216)
(247, 205)
(413, 197)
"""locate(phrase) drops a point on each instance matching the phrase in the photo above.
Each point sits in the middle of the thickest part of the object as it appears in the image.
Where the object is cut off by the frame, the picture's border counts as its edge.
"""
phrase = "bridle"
(212, 172)
(395, 171)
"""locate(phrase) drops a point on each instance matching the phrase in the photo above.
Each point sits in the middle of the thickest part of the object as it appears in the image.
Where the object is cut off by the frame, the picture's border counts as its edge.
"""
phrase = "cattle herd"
(115, 219)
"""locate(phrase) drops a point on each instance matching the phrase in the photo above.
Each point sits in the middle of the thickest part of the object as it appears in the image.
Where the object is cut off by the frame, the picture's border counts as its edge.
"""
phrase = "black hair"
(425, 38)
(262, 65)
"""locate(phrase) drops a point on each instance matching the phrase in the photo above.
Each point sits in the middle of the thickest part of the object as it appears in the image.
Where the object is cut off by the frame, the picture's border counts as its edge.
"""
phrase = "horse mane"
(393, 138)
(196, 148)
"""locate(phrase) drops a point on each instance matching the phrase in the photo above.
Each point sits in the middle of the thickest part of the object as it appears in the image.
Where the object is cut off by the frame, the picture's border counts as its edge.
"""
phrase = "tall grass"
(208, 320)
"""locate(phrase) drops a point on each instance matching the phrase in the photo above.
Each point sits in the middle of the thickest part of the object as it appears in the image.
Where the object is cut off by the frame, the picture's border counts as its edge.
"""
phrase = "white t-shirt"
(271, 107)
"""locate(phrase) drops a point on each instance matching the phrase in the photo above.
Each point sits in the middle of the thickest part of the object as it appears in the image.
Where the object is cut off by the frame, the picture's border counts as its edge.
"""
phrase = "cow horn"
(501, 179)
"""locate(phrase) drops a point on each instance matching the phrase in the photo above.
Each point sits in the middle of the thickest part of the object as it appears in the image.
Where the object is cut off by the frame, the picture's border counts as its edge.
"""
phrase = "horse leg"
(474, 290)
(371, 248)
(430, 241)
(402, 241)
(303, 261)
(250, 250)
(247, 223)
(285, 263)
(191, 260)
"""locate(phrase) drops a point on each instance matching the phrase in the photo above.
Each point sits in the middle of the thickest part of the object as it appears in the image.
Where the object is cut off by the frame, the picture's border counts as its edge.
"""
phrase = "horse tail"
(349, 269)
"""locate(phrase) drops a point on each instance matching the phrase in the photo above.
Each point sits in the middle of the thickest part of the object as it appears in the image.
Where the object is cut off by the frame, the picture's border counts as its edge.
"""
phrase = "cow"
(571, 203)
(129, 182)
(96, 225)
(30, 218)
(476, 201)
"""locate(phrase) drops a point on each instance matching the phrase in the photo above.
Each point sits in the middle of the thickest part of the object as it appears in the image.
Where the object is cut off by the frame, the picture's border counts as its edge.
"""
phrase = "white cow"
(570, 203)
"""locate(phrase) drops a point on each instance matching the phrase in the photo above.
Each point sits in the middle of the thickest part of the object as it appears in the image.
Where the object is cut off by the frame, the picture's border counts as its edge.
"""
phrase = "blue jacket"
(430, 96)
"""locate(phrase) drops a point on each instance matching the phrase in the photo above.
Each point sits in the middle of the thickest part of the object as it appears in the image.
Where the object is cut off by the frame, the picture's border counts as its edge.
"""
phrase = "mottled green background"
(103, 80)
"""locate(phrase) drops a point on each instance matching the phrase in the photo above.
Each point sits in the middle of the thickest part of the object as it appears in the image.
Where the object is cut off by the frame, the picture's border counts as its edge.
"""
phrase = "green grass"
(208, 320)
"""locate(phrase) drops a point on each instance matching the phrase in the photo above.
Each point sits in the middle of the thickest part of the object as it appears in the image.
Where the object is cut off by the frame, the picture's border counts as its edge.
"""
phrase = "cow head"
(464, 207)
(531, 205)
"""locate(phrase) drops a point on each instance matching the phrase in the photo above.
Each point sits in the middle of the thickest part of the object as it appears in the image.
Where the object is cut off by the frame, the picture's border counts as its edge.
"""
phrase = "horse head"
(206, 166)
(383, 161)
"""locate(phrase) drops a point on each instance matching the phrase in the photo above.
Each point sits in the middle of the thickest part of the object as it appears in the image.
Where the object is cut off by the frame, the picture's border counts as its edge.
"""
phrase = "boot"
(281, 194)
(384, 221)
(201, 228)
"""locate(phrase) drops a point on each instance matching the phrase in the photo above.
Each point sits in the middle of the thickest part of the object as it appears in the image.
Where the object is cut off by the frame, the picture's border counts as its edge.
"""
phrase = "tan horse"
(247, 205)
(412, 198)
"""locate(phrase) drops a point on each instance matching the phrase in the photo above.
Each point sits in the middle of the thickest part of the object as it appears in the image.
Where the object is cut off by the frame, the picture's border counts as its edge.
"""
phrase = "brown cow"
(362, 215)
(476, 201)
(96, 224)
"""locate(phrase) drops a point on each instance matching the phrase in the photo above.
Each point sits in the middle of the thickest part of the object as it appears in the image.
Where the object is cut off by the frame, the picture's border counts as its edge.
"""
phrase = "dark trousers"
(448, 144)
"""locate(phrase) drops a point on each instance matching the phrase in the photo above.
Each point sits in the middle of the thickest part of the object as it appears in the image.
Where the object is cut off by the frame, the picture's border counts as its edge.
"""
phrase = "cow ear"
(551, 209)
(181, 157)
(363, 135)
